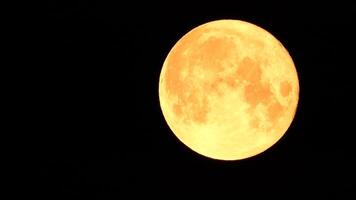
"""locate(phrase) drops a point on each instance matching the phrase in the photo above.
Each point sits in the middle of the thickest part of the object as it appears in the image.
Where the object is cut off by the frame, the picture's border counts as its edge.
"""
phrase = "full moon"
(228, 89)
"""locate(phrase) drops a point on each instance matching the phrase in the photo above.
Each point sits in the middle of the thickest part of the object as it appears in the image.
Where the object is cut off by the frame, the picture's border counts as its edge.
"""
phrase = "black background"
(91, 97)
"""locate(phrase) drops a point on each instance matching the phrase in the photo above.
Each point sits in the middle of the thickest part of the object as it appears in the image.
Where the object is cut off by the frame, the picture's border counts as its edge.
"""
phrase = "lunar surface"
(228, 89)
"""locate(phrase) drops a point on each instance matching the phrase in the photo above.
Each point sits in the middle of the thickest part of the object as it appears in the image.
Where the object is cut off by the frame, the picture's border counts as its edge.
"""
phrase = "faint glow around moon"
(228, 89)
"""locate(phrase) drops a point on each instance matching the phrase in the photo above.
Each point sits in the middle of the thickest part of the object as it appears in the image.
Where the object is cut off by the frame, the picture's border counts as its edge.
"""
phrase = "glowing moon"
(228, 89)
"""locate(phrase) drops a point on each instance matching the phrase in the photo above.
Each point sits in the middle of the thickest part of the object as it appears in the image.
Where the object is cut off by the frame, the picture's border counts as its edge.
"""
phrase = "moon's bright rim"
(228, 89)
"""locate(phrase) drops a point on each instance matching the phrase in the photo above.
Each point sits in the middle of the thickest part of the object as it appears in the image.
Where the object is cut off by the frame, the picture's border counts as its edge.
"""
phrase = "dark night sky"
(97, 128)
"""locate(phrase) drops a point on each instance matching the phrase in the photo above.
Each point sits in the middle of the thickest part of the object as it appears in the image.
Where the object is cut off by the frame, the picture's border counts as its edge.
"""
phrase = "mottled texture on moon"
(228, 89)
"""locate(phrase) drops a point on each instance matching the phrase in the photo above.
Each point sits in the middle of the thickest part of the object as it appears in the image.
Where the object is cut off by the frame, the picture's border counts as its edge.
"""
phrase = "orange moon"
(228, 89)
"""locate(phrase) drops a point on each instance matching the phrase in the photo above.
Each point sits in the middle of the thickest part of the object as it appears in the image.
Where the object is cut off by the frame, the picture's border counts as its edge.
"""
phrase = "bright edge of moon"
(228, 90)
